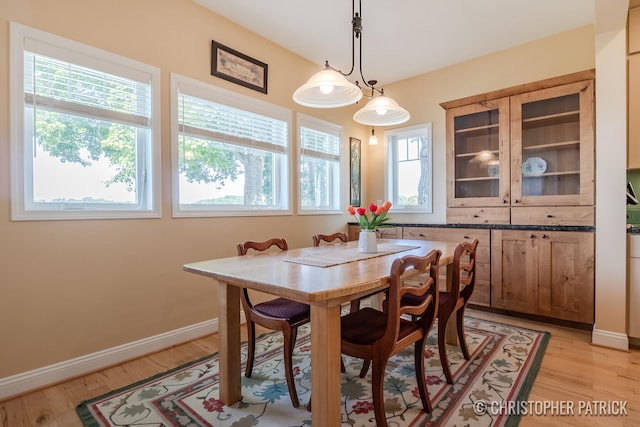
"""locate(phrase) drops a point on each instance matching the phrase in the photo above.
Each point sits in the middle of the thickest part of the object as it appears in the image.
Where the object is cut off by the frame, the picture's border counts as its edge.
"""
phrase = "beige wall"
(71, 288)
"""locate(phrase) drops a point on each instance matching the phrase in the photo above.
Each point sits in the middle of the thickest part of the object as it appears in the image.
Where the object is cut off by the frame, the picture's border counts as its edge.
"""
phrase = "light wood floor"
(572, 370)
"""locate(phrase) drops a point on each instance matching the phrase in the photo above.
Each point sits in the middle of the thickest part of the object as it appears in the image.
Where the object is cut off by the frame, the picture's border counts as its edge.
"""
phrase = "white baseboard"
(610, 339)
(48, 375)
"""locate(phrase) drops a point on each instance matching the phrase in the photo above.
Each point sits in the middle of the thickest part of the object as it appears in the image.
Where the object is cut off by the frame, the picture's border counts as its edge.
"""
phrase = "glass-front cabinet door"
(552, 146)
(478, 154)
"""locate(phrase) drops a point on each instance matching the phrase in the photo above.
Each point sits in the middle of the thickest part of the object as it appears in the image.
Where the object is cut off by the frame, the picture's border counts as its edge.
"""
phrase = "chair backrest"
(464, 271)
(422, 272)
(244, 247)
(329, 238)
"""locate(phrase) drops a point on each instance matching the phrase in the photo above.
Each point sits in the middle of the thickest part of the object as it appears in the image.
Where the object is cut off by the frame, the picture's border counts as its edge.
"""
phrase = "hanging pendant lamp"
(330, 88)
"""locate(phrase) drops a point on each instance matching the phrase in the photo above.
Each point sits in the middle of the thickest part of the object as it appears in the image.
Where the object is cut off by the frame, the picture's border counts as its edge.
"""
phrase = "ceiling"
(402, 38)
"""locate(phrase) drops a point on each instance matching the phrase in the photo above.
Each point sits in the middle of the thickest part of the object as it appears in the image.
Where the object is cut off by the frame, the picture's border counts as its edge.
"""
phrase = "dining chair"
(279, 314)
(462, 284)
(375, 335)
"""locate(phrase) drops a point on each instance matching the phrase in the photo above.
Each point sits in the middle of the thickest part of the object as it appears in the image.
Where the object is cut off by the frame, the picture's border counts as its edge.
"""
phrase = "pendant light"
(373, 139)
(330, 88)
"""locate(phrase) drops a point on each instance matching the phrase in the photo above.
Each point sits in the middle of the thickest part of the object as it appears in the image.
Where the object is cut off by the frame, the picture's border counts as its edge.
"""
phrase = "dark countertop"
(500, 226)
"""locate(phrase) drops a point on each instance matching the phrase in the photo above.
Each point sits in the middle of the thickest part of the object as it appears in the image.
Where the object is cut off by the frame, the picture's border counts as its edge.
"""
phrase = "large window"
(319, 163)
(231, 153)
(85, 133)
(409, 166)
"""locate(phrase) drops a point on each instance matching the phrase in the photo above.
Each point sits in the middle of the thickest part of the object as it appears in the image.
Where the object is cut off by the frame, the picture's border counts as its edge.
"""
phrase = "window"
(85, 132)
(231, 152)
(319, 162)
(409, 164)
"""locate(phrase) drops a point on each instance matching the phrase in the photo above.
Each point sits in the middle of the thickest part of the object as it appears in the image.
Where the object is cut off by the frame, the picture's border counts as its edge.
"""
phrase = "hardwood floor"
(572, 370)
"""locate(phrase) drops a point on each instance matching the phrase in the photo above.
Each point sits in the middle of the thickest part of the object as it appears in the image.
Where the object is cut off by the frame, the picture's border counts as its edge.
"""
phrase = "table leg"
(229, 333)
(325, 365)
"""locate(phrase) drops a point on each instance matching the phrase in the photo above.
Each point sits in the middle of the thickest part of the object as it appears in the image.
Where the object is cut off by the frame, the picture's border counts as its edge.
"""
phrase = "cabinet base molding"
(609, 339)
(534, 317)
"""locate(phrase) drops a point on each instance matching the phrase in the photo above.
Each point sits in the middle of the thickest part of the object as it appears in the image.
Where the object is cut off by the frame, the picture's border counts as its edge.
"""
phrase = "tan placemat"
(336, 256)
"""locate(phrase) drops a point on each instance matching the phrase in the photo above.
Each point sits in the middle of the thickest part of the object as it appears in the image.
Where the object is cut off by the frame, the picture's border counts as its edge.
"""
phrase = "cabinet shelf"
(538, 175)
(573, 115)
(478, 178)
(477, 128)
(551, 145)
(475, 153)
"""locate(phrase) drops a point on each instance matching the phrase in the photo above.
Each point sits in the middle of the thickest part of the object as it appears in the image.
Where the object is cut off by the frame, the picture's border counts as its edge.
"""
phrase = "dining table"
(325, 277)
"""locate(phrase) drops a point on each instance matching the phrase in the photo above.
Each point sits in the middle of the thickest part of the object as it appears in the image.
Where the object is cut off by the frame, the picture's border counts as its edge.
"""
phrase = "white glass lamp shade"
(373, 139)
(327, 89)
(381, 111)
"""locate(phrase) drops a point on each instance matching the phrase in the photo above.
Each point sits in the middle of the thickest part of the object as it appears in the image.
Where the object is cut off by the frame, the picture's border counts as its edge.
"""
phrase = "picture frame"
(236, 67)
(355, 187)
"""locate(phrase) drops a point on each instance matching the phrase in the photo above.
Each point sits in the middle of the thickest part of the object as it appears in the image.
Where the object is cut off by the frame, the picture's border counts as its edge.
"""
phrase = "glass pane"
(213, 172)
(551, 146)
(81, 160)
(477, 155)
(316, 182)
(413, 174)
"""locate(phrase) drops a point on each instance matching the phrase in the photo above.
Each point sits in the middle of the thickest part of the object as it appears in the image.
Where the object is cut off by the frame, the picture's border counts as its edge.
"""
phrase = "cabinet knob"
(466, 237)
(504, 201)
(544, 236)
(475, 215)
(421, 235)
(516, 201)
(549, 216)
(531, 236)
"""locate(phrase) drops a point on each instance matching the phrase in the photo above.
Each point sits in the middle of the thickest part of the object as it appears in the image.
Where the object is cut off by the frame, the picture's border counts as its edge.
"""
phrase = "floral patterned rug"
(503, 365)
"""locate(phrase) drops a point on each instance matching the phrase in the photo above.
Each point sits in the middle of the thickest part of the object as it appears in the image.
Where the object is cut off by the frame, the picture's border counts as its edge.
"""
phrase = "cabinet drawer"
(383, 233)
(478, 215)
(553, 215)
(449, 235)
(389, 233)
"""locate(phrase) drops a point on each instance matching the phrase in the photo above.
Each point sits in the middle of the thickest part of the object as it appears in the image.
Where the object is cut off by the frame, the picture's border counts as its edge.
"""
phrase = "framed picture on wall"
(356, 176)
(236, 67)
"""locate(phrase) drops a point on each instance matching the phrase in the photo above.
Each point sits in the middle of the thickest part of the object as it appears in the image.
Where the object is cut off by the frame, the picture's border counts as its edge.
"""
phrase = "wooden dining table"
(324, 277)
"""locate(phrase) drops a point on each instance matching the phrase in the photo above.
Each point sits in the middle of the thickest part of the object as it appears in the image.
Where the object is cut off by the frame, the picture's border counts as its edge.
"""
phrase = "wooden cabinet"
(633, 143)
(552, 140)
(545, 273)
(478, 154)
(634, 285)
(482, 291)
(532, 148)
(383, 233)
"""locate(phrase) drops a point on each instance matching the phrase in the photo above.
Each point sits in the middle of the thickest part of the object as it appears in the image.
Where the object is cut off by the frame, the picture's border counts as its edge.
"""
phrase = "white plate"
(534, 166)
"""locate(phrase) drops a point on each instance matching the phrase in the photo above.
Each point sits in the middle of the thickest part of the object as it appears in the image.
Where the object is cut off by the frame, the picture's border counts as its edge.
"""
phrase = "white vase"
(367, 242)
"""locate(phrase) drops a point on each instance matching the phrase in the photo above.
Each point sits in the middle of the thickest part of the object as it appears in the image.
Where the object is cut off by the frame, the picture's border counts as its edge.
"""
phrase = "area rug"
(503, 364)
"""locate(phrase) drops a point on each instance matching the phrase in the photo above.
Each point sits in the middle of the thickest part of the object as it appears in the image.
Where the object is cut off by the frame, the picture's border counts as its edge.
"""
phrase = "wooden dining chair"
(375, 335)
(279, 314)
(454, 301)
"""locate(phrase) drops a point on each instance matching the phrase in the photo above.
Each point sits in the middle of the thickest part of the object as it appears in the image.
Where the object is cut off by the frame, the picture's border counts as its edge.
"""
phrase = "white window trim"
(78, 53)
(236, 100)
(389, 179)
(331, 128)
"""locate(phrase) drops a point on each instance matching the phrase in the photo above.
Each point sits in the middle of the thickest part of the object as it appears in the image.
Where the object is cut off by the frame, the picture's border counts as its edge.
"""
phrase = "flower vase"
(367, 242)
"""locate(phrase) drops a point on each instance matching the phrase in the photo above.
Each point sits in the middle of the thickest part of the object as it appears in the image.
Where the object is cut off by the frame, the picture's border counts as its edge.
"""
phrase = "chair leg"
(461, 337)
(251, 348)
(377, 390)
(422, 384)
(289, 344)
(365, 368)
(442, 348)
